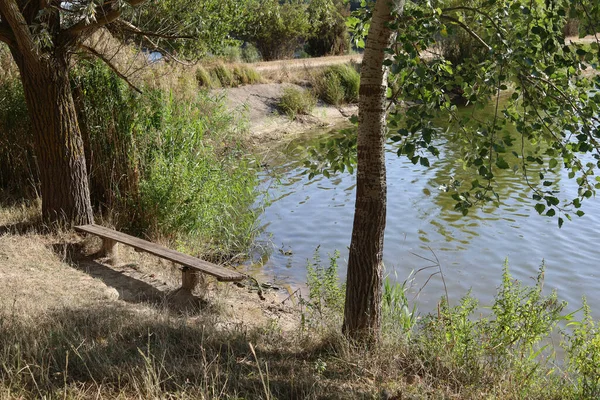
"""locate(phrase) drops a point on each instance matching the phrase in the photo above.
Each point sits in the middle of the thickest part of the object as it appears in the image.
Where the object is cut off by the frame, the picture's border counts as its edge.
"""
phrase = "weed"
(204, 78)
(583, 354)
(224, 74)
(337, 84)
(398, 318)
(296, 101)
(325, 292)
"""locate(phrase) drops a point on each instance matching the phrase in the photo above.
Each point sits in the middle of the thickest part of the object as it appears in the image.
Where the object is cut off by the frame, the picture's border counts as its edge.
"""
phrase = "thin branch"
(486, 15)
(105, 17)
(129, 27)
(155, 45)
(23, 37)
(111, 66)
(468, 30)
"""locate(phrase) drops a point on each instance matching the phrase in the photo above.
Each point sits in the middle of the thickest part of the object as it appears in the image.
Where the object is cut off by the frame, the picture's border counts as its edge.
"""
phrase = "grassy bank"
(68, 331)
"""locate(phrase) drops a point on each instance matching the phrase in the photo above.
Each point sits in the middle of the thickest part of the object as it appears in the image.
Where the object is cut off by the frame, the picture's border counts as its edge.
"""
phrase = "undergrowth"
(226, 75)
(337, 84)
(505, 353)
(296, 102)
(168, 164)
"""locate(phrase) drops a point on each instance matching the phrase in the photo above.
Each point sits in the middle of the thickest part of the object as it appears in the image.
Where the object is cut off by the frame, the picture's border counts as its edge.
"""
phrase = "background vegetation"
(168, 164)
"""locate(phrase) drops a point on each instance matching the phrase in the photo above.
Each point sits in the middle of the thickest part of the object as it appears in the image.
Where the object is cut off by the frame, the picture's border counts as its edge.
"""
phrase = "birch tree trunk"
(362, 311)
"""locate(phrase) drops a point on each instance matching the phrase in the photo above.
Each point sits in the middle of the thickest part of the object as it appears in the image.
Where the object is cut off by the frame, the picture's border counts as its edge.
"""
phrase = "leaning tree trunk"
(57, 139)
(362, 313)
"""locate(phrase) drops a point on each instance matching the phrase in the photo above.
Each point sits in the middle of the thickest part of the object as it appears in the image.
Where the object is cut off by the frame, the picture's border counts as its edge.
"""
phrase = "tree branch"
(21, 33)
(129, 27)
(110, 65)
(486, 15)
(105, 16)
(468, 30)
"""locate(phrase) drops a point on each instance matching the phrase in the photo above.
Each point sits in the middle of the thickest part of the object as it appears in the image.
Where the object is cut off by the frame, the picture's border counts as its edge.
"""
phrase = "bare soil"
(44, 272)
(257, 105)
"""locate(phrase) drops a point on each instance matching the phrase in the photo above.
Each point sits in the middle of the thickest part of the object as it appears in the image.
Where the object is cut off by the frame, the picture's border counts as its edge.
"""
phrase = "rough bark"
(57, 138)
(362, 312)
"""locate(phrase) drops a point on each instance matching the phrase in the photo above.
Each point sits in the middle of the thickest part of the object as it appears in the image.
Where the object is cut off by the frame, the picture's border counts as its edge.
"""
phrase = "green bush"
(177, 170)
(337, 84)
(250, 53)
(161, 165)
(18, 170)
(296, 101)
(204, 78)
(329, 34)
(583, 355)
(224, 75)
(326, 294)
(276, 29)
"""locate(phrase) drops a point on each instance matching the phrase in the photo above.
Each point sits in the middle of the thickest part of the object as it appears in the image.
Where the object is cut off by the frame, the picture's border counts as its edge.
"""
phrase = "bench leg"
(189, 279)
(110, 250)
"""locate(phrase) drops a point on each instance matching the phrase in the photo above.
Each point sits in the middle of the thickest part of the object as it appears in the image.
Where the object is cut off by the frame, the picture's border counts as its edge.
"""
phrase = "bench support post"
(189, 279)
(109, 249)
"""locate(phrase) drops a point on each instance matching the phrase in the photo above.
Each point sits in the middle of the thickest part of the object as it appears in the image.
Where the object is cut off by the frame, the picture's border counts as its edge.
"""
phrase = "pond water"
(422, 225)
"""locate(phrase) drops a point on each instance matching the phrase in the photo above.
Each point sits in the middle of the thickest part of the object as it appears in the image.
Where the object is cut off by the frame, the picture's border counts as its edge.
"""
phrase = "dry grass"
(72, 327)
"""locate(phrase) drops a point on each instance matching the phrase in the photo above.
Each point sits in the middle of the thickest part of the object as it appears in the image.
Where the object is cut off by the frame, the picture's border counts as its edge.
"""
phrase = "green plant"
(177, 169)
(329, 33)
(505, 345)
(397, 318)
(245, 75)
(224, 75)
(296, 101)
(250, 53)
(325, 293)
(337, 84)
(583, 354)
(204, 78)
(276, 28)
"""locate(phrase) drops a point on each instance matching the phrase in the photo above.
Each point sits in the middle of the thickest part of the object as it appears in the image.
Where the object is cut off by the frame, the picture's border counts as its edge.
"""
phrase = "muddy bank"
(257, 106)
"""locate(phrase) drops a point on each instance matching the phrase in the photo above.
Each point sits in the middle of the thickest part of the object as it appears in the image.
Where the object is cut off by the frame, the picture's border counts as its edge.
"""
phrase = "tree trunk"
(362, 311)
(57, 139)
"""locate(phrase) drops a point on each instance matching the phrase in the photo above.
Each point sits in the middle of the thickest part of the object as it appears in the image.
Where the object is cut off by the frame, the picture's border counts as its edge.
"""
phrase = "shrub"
(326, 293)
(583, 355)
(245, 75)
(296, 101)
(204, 78)
(18, 169)
(329, 34)
(250, 53)
(337, 84)
(160, 164)
(276, 29)
(224, 75)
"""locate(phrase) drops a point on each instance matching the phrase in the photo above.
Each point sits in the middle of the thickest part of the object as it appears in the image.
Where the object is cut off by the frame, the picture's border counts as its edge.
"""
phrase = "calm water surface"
(422, 224)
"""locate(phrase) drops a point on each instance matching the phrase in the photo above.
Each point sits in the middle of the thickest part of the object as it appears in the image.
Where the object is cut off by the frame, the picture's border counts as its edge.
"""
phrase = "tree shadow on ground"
(21, 228)
(112, 347)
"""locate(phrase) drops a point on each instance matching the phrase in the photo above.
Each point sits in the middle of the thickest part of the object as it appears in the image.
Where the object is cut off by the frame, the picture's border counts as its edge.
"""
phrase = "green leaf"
(501, 163)
(539, 207)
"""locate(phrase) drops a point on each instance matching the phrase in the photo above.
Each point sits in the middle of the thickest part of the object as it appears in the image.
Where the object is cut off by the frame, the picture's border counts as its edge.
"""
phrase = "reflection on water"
(421, 220)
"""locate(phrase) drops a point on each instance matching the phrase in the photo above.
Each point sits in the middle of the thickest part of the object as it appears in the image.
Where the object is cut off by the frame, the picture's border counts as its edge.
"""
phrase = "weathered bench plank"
(221, 273)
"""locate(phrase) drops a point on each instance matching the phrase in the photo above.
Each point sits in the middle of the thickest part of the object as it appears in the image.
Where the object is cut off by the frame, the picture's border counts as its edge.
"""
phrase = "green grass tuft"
(297, 101)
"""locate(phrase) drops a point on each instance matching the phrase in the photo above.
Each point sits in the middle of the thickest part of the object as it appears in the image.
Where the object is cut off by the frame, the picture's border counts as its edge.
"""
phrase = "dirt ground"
(40, 273)
(257, 105)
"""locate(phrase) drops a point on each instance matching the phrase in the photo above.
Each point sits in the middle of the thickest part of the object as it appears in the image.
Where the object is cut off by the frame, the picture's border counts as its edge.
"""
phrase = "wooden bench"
(190, 264)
